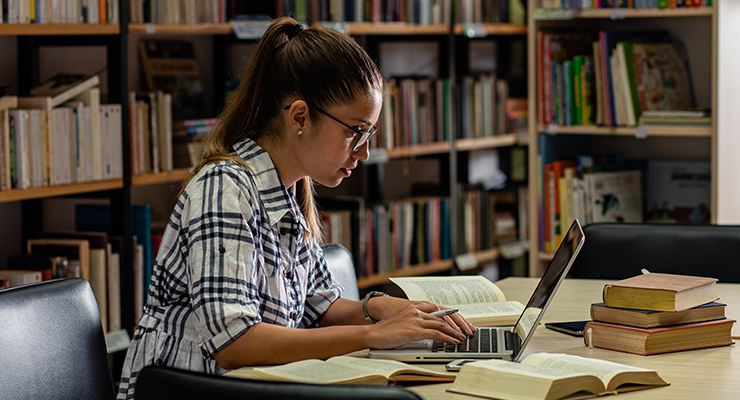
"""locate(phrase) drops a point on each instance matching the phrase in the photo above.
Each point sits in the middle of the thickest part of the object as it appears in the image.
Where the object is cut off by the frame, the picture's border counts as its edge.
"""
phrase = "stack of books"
(659, 313)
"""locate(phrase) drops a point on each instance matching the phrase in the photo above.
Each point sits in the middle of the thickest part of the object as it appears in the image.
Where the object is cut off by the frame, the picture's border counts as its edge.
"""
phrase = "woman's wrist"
(370, 313)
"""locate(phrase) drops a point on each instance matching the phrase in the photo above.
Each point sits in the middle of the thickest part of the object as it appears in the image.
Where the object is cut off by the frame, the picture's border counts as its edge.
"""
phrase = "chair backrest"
(165, 383)
(342, 268)
(619, 251)
(52, 344)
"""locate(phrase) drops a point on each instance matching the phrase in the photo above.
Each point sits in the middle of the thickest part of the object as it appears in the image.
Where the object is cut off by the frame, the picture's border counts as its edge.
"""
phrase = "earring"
(300, 132)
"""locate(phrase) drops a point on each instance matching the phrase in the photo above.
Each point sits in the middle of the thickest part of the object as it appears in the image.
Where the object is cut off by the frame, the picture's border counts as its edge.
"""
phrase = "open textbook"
(349, 370)
(544, 376)
(478, 299)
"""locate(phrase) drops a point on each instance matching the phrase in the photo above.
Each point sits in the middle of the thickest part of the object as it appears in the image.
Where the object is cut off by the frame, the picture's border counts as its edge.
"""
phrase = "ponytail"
(321, 66)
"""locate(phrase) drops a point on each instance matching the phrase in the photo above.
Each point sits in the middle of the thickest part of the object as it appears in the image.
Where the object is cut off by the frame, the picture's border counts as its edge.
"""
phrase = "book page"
(485, 309)
(312, 371)
(386, 368)
(525, 369)
(604, 370)
(450, 290)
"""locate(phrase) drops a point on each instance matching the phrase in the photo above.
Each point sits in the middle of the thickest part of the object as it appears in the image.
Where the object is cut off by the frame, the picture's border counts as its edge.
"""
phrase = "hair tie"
(294, 30)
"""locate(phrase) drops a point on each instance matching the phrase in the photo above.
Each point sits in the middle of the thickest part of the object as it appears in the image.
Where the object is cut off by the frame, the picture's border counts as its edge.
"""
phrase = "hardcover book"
(614, 196)
(63, 86)
(666, 339)
(544, 376)
(652, 319)
(660, 292)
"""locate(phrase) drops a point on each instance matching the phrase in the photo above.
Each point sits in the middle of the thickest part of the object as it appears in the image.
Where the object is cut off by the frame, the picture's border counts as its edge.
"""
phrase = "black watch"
(368, 296)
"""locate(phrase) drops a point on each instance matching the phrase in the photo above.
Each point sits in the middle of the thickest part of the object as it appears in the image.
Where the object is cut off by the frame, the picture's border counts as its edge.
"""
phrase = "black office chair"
(165, 383)
(52, 344)
(619, 251)
(342, 268)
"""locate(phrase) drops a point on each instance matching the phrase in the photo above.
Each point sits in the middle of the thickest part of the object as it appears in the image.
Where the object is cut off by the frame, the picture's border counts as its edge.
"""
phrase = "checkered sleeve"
(322, 289)
(221, 257)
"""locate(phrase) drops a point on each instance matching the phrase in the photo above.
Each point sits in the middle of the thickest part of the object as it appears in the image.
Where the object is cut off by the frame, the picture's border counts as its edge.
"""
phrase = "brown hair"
(321, 66)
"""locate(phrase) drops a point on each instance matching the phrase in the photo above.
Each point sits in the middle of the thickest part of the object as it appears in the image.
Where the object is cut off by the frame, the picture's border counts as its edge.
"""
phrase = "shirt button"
(289, 275)
(295, 232)
(294, 315)
(204, 352)
(222, 249)
(283, 231)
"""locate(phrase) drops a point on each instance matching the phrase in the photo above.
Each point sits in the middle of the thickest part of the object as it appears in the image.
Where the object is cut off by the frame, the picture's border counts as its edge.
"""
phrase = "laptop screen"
(554, 274)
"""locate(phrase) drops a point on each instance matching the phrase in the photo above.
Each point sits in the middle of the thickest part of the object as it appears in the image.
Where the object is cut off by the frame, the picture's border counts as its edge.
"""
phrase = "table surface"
(698, 374)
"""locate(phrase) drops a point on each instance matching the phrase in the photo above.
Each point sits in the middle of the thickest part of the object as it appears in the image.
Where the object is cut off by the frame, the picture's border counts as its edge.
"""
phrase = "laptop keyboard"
(483, 341)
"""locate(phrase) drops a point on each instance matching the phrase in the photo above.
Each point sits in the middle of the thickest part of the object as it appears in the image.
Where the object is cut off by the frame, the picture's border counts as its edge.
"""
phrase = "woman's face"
(329, 155)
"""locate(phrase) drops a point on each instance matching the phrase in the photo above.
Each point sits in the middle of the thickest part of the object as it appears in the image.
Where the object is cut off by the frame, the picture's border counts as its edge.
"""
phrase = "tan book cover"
(660, 292)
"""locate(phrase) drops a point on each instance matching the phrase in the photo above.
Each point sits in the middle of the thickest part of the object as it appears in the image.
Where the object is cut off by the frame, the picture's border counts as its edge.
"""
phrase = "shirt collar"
(272, 191)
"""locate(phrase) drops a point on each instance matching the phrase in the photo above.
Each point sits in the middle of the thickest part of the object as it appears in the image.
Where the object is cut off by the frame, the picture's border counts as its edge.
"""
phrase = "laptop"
(507, 343)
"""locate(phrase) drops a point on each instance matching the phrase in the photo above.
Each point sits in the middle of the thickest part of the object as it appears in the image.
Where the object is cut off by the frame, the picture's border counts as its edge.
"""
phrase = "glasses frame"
(360, 134)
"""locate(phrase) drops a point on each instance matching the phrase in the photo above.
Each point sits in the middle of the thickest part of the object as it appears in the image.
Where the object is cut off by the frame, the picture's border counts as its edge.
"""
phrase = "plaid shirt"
(232, 255)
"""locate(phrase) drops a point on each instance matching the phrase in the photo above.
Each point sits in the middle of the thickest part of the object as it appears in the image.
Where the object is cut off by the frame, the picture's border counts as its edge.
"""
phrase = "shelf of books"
(61, 190)
(393, 28)
(174, 176)
(58, 29)
(622, 124)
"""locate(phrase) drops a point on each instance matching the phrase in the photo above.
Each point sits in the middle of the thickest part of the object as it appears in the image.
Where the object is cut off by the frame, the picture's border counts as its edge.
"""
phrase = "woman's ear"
(297, 116)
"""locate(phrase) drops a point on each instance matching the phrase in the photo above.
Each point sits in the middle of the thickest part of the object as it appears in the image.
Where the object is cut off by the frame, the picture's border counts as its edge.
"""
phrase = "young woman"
(240, 275)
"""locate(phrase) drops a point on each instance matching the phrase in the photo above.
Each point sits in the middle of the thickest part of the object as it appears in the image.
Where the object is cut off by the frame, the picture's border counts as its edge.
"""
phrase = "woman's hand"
(387, 307)
(412, 324)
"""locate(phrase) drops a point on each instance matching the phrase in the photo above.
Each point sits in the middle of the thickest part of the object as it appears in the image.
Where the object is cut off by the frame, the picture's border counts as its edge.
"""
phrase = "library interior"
(505, 129)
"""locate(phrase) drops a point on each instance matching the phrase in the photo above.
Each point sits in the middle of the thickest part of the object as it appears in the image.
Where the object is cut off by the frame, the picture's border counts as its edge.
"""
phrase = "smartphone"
(455, 365)
(571, 328)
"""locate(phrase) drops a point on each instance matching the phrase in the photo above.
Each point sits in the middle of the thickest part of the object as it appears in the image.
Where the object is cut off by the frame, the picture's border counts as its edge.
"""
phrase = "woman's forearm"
(265, 343)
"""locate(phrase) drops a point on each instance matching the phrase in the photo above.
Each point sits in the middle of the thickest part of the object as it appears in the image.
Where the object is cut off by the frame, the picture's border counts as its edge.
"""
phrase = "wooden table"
(698, 374)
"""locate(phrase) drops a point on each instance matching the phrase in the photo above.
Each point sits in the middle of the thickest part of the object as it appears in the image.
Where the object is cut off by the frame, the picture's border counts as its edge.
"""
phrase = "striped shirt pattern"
(232, 255)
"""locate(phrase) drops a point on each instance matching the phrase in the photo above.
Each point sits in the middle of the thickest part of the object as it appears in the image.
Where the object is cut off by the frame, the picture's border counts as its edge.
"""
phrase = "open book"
(349, 370)
(478, 299)
(545, 376)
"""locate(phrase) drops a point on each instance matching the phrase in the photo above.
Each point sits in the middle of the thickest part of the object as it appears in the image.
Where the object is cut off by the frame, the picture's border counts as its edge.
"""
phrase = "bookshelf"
(122, 66)
(683, 143)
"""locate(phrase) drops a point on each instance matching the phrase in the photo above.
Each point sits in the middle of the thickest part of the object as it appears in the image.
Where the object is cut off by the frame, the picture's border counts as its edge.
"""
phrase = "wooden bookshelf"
(494, 29)
(621, 13)
(423, 269)
(174, 176)
(58, 29)
(652, 130)
(180, 29)
(61, 190)
(419, 150)
(508, 139)
(393, 28)
(415, 270)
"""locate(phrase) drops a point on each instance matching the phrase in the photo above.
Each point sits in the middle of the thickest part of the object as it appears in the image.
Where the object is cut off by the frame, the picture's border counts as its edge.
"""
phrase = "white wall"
(728, 113)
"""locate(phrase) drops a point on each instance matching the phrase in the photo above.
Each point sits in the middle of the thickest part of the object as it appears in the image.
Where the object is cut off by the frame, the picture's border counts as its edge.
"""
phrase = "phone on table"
(455, 365)
(574, 328)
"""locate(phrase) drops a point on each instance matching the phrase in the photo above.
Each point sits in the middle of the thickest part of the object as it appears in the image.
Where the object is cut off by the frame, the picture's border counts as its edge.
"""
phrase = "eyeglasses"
(362, 137)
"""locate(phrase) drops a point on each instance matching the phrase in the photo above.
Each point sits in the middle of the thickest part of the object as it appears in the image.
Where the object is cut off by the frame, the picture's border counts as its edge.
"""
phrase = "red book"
(547, 209)
(665, 339)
